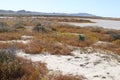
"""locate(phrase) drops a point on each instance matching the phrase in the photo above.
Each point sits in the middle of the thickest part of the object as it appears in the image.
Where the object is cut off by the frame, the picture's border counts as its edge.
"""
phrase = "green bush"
(114, 34)
(2, 24)
(81, 37)
(3, 27)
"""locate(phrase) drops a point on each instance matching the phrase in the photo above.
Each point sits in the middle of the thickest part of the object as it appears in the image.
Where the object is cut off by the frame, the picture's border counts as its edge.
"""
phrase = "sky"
(106, 8)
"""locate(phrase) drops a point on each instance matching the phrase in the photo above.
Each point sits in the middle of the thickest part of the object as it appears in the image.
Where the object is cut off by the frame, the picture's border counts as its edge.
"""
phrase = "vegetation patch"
(12, 68)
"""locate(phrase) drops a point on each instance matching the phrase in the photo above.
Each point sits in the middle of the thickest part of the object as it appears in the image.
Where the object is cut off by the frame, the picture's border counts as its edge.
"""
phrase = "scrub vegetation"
(48, 35)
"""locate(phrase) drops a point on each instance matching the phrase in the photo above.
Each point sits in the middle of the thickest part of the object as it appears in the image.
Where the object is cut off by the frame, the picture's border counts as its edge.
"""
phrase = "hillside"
(24, 12)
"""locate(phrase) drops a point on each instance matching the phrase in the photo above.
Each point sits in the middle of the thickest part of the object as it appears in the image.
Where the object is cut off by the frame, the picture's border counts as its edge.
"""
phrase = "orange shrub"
(116, 42)
(15, 68)
(4, 45)
(10, 36)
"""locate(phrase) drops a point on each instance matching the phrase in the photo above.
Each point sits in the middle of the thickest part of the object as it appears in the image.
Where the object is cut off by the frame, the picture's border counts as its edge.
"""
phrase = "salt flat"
(93, 66)
(110, 24)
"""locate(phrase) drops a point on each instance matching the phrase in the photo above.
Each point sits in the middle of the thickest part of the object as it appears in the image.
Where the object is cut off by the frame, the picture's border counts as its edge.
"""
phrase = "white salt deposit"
(24, 37)
(16, 41)
(101, 42)
(110, 24)
(93, 66)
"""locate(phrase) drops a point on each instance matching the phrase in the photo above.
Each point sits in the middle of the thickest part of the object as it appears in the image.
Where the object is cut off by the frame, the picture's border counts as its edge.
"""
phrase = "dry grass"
(109, 47)
(69, 20)
(4, 45)
(33, 71)
(18, 68)
(36, 47)
(65, 77)
(71, 29)
(116, 42)
(10, 36)
(55, 41)
(14, 68)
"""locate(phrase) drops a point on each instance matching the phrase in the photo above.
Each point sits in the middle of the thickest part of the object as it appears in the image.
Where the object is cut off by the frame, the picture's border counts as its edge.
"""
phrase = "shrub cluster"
(114, 34)
(41, 28)
(3, 27)
(12, 68)
(19, 25)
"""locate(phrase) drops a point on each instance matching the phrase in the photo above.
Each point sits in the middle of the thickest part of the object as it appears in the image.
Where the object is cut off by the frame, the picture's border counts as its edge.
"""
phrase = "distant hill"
(24, 12)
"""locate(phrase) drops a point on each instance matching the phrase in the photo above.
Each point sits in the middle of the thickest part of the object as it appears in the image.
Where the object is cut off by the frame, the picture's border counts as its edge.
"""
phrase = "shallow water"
(111, 24)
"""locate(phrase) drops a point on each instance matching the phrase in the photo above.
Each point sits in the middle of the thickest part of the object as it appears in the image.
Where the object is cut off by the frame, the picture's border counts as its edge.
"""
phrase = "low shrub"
(3, 24)
(40, 28)
(114, 34)
(10, 36)
(14, 68)
(96, 29)
(116, 42)
(70, 20)
(3, 27)
(19, 25)
(9, 67)
(39, 46)
(4, 45)
(81, 37)
(59, 50)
